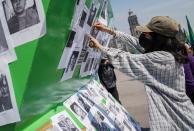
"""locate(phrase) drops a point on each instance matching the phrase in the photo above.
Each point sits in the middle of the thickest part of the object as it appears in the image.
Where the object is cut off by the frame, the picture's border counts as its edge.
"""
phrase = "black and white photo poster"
(6, 44)
(100, 122)
(72, 61)
(78, 12)
(82, 19)
(93, 106)
(81, 109)
(92, 14)
(65, 57)
(103, 18)
(84, 71)
(71, 39)
(69, 70)
(25, 19)
(3, 42)
(8, 107)
(68, 50)
(63, 122)
(115, 113)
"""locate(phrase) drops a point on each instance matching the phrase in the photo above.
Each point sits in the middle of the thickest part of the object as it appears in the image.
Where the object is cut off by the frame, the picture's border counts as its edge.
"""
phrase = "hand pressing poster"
(86, 58)
(8, 107)
(25, 19)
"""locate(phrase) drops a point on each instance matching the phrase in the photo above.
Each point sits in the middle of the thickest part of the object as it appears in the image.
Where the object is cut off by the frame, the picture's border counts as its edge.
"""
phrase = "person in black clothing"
(107, 77)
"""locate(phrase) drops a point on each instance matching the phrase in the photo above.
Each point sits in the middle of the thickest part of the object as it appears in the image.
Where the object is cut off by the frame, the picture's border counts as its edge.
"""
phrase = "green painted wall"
(35, 75)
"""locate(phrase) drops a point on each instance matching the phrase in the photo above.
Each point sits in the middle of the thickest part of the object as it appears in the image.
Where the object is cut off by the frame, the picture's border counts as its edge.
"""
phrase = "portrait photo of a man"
(82, 19)
(86, 68)
(19, 16)
(93, 11)
(99, 123)
(86, 56)
(72, 61)
(95, 67)
(85, 42)
(94, 32)
(77, 110)
(91, 64)
(67, 125)
(103, 13)
(71, 39)
(3, 42)
(84, 104)
(86, 96)
(5, 98)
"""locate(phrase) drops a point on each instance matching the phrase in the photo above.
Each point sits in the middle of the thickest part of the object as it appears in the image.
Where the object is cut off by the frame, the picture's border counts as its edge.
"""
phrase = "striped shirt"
(169, 107)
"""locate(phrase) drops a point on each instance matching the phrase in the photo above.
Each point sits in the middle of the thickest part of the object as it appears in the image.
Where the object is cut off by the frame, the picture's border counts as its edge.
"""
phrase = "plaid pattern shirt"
(169, 107)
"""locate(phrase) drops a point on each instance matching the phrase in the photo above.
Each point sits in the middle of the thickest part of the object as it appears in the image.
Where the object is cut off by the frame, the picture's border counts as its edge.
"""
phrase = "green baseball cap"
(163, 25)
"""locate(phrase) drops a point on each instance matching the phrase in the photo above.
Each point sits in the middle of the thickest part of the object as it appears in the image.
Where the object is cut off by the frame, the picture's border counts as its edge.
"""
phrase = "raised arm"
(123, 38)
(130, 41)
(139, 66)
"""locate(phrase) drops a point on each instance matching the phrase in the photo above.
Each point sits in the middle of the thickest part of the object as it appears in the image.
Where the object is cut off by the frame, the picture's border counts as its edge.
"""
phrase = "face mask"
(145, 42)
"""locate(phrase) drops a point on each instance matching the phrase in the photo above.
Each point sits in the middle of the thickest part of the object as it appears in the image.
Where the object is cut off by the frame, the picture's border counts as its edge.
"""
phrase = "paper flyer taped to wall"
(25, 20)
(7, 51)
(63, 122)
(97, 109)
(8, 106)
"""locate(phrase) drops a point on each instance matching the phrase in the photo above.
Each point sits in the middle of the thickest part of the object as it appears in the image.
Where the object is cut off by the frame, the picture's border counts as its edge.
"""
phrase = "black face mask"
(146, 43)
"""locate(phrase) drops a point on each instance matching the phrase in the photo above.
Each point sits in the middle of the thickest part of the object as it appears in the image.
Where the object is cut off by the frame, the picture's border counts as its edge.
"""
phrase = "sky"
(146, 9)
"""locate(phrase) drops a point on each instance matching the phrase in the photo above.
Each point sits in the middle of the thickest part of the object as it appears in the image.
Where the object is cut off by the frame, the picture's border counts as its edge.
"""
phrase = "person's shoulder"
(161, 56)
(13, 24)
(32, 12)
(32, 15)
(12, 20)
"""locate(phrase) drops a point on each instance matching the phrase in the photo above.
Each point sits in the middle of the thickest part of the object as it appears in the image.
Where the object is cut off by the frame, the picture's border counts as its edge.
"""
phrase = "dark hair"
(169, 44)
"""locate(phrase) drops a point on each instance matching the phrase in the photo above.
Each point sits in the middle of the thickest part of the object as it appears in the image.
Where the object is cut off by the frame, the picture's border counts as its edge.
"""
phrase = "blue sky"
(146, 9)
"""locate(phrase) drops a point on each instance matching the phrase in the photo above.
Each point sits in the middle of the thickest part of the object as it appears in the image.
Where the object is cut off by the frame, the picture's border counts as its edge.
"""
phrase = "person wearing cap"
(108, 78)
(189, 73)
(156, 59)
